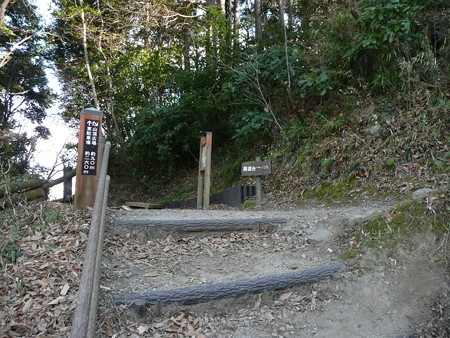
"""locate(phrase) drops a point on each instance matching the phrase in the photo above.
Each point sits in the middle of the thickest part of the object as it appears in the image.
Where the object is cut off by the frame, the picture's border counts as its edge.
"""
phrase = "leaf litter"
(41, 264)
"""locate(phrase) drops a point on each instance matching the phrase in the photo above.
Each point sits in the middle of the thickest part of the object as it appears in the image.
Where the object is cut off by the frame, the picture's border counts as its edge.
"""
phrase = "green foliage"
(249, 204)
(260, 77)
(25, 93)
(326, 162)
(389, 32)
(15, 152)
(390, 162)
(249, 125)
(297, 130)
(316, 83)
(164, 82)
(163, 138)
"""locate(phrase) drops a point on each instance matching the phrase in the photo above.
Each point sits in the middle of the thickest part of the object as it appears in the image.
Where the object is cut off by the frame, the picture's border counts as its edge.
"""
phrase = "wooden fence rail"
(28, 190)
(84, 321)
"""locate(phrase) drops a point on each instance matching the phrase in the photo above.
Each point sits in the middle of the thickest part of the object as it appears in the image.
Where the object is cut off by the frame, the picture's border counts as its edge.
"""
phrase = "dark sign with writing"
(90, 147)
(256, 168)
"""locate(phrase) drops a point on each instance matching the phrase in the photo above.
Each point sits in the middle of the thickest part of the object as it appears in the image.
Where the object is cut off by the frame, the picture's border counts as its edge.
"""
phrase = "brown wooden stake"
(85, 293)
(207, 183)
(201, 172)
(88, 153)
(98, 264)
(204, 172)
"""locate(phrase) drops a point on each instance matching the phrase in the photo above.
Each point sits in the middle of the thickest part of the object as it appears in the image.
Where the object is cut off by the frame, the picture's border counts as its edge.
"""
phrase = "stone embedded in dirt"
(288, 230)
(320, 235)
(418, 194)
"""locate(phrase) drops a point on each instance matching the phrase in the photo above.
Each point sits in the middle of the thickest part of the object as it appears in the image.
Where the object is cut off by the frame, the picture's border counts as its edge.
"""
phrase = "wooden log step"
(144, 205)
(205, 225)
(208, 292)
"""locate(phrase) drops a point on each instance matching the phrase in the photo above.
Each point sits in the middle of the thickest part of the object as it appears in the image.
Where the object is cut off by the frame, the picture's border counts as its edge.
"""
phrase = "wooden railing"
(84, 321)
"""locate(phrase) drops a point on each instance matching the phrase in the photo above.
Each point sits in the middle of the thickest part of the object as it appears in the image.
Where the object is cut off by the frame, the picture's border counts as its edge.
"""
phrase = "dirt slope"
(382, 293)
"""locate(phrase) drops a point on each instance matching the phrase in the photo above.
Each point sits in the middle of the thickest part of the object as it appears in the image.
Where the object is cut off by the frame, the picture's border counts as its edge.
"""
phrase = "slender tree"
(236, 26)
(258, 23)
(3, 6)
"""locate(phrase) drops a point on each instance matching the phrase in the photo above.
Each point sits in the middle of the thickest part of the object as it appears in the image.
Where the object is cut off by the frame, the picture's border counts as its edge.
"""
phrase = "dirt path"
(376, 296)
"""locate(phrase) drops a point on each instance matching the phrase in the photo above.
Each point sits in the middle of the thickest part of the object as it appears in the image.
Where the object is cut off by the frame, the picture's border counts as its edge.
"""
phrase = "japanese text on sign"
(256, 168)
(90, 147)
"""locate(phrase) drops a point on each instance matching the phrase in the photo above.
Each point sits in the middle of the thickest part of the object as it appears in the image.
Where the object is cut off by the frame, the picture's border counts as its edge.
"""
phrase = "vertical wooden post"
(86, 289)
(204, 172)
(207, 183)
(67, 190)
(87, 163)
(201, 172)
(258, 186)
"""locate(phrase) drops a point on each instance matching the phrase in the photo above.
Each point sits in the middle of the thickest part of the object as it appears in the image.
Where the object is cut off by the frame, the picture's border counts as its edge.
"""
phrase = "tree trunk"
(186, 48)
(290, 11)
(281, 8)
(211, 39)
(86, 58)
(236, 19)
(286, 53)
(3, 6)
(258, 25)
(228, 41)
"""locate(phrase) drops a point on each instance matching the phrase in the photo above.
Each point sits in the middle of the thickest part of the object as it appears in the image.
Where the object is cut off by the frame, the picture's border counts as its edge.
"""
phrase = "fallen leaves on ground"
(42, 247)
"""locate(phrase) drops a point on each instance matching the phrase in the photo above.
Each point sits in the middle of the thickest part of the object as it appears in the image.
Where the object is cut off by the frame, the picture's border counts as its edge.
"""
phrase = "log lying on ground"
(31, 184)
(26, 196)
(205, 225)
(207, 292)
(20, 186)
(144, 205)
(26, 191)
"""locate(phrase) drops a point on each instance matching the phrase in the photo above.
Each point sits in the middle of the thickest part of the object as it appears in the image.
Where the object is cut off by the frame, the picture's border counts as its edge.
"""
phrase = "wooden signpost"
(257, 168)
(88, 157)
(204, 172)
